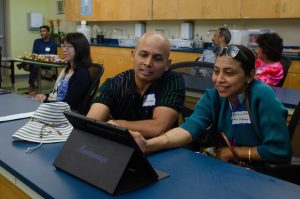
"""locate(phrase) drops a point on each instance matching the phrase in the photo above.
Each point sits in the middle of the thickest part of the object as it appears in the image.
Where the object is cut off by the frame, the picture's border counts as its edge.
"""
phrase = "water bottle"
(85, 29)
(201, 43)
(196, 42)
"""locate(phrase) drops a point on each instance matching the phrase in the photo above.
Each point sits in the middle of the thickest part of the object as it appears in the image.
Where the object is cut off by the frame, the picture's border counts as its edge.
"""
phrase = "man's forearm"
(148, 128)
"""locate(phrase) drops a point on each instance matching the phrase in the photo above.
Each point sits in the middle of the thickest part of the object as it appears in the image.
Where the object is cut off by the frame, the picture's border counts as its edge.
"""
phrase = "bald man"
(147, 98)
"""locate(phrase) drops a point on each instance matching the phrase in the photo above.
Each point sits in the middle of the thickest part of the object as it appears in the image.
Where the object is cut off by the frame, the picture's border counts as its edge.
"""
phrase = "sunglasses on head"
(231, 51)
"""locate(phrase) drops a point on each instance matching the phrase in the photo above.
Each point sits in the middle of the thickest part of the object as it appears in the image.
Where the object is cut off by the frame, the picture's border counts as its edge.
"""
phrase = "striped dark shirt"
(121, 96)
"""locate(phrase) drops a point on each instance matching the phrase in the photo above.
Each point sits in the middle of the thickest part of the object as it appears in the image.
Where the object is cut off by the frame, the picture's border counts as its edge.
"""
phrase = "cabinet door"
(103, 10)
(220, 9)
(295, 67)
(191, 9)
(95, 10)
(122, 10)
(140, 9)
(260, 9)
(114, 60)
(165, 9)
(294, 80)
(290, 9)
(72, 10)
(11, 190)
(183, 56)
(209, 9)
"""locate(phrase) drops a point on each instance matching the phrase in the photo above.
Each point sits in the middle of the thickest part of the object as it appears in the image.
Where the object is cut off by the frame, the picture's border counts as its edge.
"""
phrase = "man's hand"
(40, 97)
(113, 122)
(140, 140)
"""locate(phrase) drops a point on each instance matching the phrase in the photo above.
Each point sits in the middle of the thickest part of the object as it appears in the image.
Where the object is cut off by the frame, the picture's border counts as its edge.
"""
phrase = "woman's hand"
(40, 97)
(140, 140)
(223, 153)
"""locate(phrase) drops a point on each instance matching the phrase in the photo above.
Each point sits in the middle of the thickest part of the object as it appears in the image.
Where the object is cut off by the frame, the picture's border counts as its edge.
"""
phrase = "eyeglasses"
(45, 132)
(68, 46)
(231, 51)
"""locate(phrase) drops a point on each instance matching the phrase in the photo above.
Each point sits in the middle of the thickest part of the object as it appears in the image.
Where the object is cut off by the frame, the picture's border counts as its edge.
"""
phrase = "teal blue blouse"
(267, 129)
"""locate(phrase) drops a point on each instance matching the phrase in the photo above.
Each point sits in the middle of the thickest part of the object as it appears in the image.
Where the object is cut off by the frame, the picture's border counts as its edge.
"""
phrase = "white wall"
(288, 29)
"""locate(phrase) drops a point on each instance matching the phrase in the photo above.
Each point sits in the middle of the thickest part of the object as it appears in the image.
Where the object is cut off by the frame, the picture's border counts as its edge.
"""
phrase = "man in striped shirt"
(147, 98)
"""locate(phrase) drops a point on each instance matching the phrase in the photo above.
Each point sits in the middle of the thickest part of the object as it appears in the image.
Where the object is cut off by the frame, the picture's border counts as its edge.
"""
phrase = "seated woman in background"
(269, 51)
(245, 109)
(74, 80)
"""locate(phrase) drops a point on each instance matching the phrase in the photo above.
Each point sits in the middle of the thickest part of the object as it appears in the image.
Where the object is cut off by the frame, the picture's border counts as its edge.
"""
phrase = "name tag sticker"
(240, 117)
(149, 100)
(47, 49)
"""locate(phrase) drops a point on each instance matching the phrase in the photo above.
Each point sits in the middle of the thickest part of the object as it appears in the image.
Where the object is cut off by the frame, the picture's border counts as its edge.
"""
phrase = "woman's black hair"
(246, 57)
(81, 46)
(271, 45)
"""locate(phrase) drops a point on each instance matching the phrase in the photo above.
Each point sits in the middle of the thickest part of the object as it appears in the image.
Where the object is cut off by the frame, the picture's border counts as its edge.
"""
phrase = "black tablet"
(105, 156)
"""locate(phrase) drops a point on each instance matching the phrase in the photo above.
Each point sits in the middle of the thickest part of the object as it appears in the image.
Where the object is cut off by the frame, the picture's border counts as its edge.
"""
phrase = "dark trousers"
(33, 69)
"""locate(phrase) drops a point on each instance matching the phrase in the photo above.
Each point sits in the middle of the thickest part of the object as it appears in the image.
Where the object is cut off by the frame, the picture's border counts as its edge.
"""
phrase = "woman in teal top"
(246, 110)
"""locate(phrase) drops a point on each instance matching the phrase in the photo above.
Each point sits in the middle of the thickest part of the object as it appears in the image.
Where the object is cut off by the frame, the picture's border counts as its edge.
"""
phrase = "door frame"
(5, 35)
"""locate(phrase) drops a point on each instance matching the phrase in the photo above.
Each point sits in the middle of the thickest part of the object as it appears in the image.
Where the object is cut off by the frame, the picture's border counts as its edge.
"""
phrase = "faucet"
(117, 33)
(161, 30)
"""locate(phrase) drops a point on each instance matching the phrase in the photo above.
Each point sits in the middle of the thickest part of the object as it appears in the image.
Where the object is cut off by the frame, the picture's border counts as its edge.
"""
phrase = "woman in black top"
(74, 80)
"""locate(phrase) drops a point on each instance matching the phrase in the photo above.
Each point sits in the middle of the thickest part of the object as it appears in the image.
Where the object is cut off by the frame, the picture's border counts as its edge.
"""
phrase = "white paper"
(240, 117)
(16, 116)
(149, 100)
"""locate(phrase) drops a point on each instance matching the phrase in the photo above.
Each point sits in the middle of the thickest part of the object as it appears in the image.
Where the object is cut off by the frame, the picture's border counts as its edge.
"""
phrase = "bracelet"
(249, 155)
(167, 139)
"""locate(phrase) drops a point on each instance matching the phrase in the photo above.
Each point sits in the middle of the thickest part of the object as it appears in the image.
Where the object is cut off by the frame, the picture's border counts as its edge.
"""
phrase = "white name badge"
(149, 100)
(240, 117)
(47, 49)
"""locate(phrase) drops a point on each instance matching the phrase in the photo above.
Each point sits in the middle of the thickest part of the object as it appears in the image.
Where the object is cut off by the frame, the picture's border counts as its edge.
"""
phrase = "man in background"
(221, 39)
(44, 45)
(147, 98)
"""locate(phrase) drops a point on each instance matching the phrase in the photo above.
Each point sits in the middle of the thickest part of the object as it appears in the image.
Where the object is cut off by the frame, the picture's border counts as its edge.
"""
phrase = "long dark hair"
(81, 46)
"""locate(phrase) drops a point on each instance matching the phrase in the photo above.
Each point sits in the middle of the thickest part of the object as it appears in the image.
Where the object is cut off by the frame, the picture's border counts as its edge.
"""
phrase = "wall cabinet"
(110, 10)
(209, 9)
(270, 9)
(293, 78)
(196, 9)
(72, 10)
(290, 9)
(169, 10)
(116, 60)
(133, 10)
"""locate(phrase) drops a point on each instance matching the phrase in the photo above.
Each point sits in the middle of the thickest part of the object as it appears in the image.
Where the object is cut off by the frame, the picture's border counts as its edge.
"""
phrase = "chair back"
(289, 171)
(294, 121)
(286, 63)
(0, 65)
(197, 77)
(96, 71)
